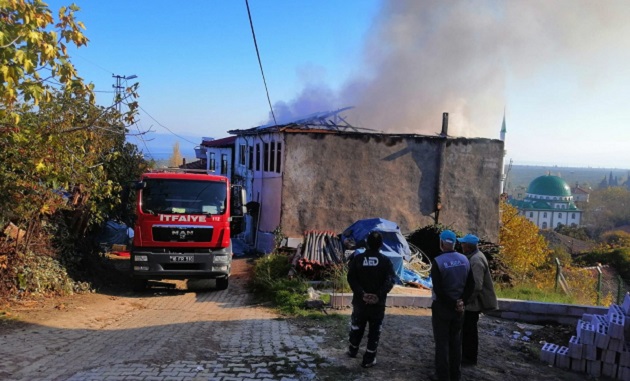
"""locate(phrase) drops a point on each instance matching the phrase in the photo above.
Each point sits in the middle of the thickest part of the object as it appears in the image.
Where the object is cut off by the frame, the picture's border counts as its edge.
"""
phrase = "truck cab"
(184, 227)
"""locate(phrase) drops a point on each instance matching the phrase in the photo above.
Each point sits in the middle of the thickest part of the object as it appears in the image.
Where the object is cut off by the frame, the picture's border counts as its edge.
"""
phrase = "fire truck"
(184, 225)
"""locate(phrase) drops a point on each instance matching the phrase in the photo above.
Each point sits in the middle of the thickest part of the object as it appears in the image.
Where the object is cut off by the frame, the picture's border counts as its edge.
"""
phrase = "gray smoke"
(423, 58)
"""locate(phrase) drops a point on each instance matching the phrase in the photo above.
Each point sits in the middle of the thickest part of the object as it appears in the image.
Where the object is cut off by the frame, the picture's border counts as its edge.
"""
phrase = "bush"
(270, 282)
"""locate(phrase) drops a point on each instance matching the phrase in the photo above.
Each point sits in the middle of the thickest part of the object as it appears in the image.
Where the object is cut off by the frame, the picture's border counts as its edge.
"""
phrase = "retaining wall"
(512, 309)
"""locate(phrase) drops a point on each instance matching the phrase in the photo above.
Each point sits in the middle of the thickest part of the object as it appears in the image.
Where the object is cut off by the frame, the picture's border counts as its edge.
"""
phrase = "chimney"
(444, 124)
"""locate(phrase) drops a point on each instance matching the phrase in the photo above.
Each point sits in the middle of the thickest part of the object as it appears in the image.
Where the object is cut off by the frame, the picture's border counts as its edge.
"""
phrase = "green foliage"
(607, 209)
(523, 250)
(577, 232)
(532, 292)
(41, 274)
(616, 238)
(270, 281)
(338, 275)
(618, 258)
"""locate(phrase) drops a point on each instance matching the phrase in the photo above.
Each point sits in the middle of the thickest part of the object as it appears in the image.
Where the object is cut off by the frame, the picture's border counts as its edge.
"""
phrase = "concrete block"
(563, 360)
(600, 320)
(548, 353)
(586, 333)
(601, 337)
(615, 345)
(615, 309)
(623, 373)
(578, 365)
(616, 327)
(575, 348)
(594, 368)
(590, 352)
(587, 318)
(624, 358)
(547, 308)
(609, 370)
(610, 357)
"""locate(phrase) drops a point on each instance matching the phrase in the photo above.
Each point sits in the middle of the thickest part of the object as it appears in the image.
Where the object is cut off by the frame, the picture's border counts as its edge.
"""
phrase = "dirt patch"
(508, 350)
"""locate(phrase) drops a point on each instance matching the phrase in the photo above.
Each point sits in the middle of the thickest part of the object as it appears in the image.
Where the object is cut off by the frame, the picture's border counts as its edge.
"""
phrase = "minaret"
(502, 137)
(503, 129)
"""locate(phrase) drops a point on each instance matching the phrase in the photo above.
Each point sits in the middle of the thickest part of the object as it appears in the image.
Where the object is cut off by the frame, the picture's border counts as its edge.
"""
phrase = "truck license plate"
(182, 258)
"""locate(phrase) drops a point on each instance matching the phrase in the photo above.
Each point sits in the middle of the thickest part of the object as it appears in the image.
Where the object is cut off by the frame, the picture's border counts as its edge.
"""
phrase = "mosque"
(549, 203)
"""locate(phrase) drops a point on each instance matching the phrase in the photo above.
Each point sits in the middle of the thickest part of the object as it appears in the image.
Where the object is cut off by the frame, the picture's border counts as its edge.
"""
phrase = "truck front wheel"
(222, 283)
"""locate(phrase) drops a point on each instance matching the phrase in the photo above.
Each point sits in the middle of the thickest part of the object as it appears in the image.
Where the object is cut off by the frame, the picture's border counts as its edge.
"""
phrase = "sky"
(557, 70)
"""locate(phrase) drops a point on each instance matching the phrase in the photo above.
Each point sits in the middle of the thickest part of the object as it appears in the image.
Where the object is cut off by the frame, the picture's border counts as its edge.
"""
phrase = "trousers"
(447, 333)
(362, 315)
(470, 336)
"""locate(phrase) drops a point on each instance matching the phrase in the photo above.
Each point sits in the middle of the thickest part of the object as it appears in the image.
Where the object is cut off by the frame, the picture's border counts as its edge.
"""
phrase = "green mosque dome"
(549, 186)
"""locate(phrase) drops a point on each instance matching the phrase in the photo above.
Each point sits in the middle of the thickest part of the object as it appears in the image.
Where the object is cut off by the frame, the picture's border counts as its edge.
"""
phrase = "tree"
(607, 208)
(523, 250)
(34, 58)
(176, 157)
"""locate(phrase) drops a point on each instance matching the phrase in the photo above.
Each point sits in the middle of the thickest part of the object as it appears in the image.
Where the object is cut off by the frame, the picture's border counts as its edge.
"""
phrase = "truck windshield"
(168, 196)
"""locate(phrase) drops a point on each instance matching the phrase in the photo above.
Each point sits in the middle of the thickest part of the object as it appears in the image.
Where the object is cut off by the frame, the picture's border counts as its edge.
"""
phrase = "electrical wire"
(163, 126)
(251, 24)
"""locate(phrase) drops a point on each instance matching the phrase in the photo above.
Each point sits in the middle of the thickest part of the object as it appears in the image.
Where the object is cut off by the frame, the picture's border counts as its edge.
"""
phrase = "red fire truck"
(183, 228)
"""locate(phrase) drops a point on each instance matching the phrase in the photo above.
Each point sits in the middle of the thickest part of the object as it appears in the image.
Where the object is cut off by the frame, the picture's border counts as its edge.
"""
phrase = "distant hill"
(160, 146)
(520, 176)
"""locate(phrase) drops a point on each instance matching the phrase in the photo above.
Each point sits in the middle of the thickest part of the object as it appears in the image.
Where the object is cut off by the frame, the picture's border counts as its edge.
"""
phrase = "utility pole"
(119, 89)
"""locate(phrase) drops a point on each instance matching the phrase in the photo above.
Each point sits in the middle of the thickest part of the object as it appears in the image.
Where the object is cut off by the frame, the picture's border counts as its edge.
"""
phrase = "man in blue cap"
(482, 299)
(452, 286)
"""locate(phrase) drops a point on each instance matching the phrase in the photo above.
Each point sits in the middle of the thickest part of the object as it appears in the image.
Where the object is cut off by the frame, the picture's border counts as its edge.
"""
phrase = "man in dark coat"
(371, 276)
(482, 299)
(452, 285)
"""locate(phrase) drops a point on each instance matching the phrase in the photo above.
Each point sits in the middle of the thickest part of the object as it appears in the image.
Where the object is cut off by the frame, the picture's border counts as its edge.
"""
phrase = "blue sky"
(559, 69)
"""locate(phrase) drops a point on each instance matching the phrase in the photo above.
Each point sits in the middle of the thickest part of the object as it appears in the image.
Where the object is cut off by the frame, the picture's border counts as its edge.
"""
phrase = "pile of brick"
(601, 346)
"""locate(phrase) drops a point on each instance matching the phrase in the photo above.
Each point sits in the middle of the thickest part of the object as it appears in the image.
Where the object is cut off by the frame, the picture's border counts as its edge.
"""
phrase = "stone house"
(321, 174)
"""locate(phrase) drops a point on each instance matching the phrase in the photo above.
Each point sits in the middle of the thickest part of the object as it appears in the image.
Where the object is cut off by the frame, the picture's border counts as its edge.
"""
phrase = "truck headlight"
(219, 268)
(221, 258)
(140, 258)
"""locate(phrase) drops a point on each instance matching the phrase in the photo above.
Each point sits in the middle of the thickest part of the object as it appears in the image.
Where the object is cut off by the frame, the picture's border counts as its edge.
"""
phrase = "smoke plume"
(423, 58)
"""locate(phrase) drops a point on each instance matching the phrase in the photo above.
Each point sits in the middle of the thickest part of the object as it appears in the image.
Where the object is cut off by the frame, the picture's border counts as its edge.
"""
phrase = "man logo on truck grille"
(182, 233)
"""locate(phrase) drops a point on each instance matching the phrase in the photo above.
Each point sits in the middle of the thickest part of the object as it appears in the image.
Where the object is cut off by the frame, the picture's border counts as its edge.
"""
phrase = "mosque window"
(559, 215)
(545, 215)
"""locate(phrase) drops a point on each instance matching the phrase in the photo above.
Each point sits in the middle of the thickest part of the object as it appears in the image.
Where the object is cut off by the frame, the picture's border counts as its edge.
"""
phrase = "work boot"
(369, 359)
(352, 351)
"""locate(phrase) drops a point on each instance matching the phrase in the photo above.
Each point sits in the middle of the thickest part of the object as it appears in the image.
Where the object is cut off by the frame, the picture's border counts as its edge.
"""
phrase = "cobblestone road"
(167, 335)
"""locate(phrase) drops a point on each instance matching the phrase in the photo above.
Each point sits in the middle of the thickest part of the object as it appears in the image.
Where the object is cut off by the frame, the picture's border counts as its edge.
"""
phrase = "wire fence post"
(557, 273)
(599, 284)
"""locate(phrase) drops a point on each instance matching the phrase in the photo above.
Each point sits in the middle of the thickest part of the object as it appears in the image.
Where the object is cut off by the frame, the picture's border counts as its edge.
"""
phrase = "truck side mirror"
(238, 201)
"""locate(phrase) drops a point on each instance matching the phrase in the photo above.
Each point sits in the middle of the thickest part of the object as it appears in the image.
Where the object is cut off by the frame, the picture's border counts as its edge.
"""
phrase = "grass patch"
(534, 294)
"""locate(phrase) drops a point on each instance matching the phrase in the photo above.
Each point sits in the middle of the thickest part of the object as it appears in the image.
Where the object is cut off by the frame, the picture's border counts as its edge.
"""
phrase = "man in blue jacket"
(453, 284)
(371, 276)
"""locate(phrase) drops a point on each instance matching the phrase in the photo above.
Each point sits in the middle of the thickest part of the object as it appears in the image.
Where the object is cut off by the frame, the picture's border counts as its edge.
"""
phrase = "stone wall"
(332, 180)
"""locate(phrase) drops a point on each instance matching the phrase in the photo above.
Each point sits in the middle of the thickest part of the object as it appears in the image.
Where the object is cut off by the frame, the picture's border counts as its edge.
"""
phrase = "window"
(258, 156)
(531, 214)
(250, 163)
(272, 157)
(266, 157)
(573, 216)
(213, 163)
(544, 225)
(545, 215)
(224, 164)
(278, 156)
(241, 154)
(559, 215)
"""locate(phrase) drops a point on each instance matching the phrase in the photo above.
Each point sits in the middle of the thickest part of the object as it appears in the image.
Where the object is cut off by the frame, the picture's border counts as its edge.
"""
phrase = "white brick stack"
(601, 346)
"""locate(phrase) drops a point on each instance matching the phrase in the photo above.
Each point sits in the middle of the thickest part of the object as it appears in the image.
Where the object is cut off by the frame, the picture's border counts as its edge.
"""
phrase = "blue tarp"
(114, 233)
(395, 246)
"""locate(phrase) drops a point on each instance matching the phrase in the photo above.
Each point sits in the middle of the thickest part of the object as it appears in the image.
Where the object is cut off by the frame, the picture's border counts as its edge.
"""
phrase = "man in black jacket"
(371, 276)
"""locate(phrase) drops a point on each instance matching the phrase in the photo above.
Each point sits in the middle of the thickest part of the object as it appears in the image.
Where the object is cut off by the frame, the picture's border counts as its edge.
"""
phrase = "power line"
(163, 126)
(251, 24)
